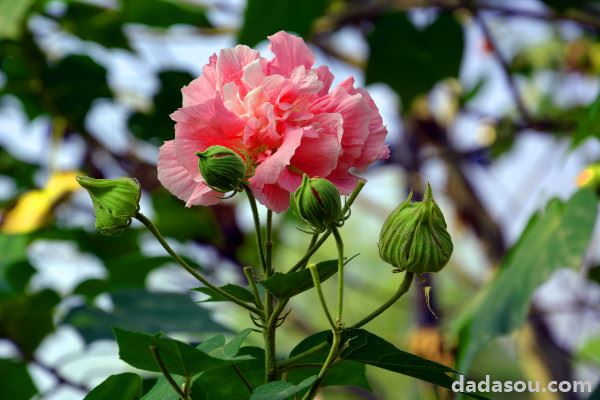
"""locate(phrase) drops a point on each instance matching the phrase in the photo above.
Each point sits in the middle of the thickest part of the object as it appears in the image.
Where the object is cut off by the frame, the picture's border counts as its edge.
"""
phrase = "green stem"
(302, 262)
(249, 273)
(269, 243)
(340, 247)
(405, 285)
(244, 380)
(317, 282)
(406, 282)
(259, 241)
(326, 365)
(152, 228)
(270, 324)
(166, 373)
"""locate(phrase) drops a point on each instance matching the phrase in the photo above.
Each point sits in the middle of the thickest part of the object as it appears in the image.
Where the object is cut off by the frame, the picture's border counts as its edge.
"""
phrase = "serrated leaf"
(281, 390)
(554, 238)
(126, 386)
(164, 13)
(588, 125)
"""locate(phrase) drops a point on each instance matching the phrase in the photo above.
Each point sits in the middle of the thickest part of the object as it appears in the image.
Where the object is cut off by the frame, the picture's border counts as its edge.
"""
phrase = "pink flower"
(280, 113)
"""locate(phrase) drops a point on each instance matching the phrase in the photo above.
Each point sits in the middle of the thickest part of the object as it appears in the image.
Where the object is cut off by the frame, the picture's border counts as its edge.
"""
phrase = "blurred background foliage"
(494, 102)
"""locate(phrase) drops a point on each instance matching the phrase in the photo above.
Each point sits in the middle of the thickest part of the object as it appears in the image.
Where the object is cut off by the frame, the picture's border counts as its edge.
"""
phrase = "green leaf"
(588, 125)
(201, 222)
(26, 319)
(594, 274)
(554, 238)
(73, 84)
(264, 17)
(137, 309)
(236, 291)
(280, 390)
(343, 373)
(287, 285)
(411, 60)
(127, 386)
(225, 383)
(15, 381)
(595, 394)
(591, 350)
(367, 348)
(156, 126)
(179, 358)
(94, 23)
(162, 389)
(15, 270)
(164, 13)
(12, 14)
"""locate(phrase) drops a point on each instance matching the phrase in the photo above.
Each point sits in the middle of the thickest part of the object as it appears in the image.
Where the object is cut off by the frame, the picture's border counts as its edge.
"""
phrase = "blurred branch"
(512, 84)
(60, 378)
(370, 10)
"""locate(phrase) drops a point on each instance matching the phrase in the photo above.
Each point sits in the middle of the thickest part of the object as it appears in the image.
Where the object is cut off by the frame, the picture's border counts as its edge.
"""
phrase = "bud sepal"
(319, 204)
(414, 237)
(116, 202)
(222, 169)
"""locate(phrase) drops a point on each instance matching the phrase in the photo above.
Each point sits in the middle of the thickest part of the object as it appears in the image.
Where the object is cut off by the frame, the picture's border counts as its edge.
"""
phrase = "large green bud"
(319, 204)
(116, 202)
(223, 169)
(414, 236)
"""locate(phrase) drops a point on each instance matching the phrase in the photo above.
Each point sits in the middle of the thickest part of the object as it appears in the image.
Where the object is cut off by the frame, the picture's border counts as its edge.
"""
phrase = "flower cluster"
(280, 116)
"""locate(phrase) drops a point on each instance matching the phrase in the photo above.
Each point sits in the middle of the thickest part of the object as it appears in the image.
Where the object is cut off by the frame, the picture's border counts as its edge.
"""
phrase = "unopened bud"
(414, 237)
(223, 169)
(318, 202)
(115, 201)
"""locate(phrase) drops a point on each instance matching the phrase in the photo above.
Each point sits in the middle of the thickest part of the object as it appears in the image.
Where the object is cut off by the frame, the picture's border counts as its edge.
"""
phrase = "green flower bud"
(318, 202)
(115, 201)
(414, 237)
(223, 169)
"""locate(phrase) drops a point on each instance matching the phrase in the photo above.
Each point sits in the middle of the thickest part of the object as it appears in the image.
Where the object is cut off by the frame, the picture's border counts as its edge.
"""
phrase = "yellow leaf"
(35, 207)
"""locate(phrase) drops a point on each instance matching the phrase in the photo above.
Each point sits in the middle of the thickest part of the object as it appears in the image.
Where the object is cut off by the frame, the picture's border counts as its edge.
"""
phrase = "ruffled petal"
(202, 88)
(231, 63)
(269, 170)
(204, 125)
(290, 52)
(272, 196)
(178, 181)
(320, 149)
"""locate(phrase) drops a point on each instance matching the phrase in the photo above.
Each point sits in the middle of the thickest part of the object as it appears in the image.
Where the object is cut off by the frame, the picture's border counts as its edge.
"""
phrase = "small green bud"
(223, 169)
(115, 201)
(414, 236)
(318, 202)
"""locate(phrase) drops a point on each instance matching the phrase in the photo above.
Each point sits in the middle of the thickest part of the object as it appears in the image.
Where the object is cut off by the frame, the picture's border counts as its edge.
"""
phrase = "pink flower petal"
(273, 196)
(231, 63)
(202, 88)
(290, 52)
(320, 149)
(178, 181)
(268, 171)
